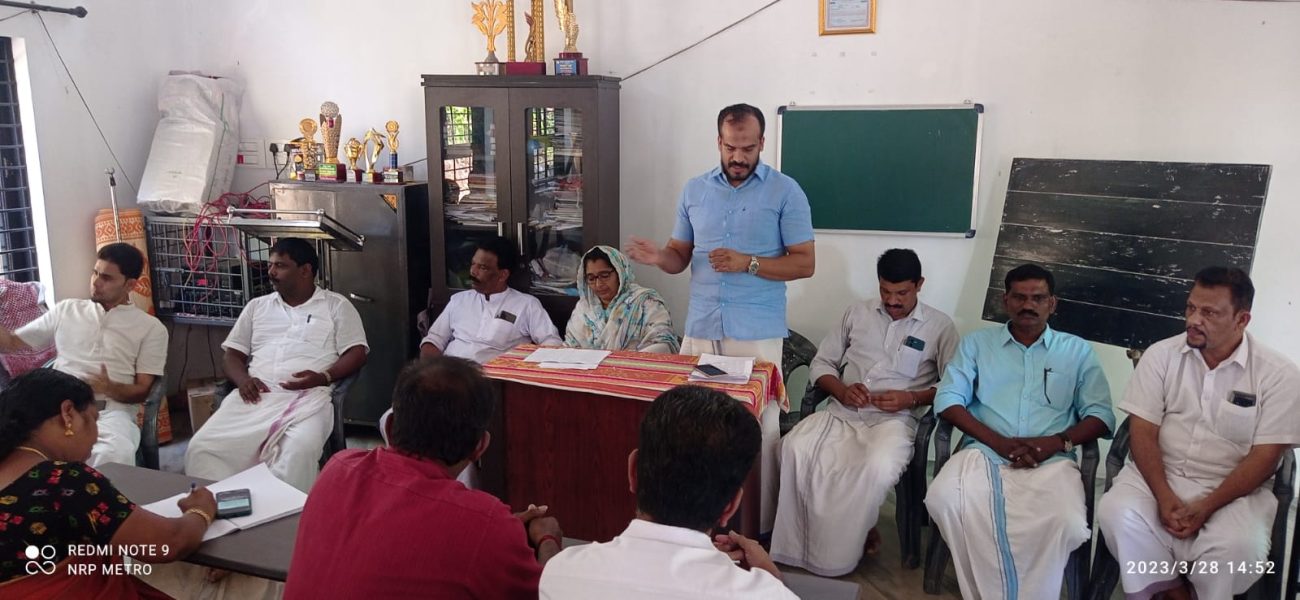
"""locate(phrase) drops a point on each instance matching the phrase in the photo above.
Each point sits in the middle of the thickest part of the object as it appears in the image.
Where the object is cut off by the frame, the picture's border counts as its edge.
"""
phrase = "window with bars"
(541, 126)
(17, 232)
(457, 140)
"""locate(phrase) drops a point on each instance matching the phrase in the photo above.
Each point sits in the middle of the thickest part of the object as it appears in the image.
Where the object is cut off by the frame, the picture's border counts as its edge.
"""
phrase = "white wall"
(117, 54)
(366, 57)
(1181, 80)
(1176, 80)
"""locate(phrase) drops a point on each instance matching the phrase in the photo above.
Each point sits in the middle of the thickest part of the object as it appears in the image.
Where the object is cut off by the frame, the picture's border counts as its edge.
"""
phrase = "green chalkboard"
(901, 169)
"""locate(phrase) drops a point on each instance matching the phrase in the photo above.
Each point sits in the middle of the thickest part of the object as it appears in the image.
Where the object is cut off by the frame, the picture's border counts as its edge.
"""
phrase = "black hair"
(300, 251)
(32, 399)
(128, 258)
(597, 254)
(441, 408)
(1027, 272)
(505, 251)
(697, 446)
(738, 112)
(898, 265)
(1236, 280)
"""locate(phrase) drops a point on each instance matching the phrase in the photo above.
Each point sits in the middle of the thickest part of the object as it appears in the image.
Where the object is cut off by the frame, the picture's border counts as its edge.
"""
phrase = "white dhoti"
(837, 467)
(769, 421)
(285, 430)
(119, 438)
(1148, 555)
(1010, 531)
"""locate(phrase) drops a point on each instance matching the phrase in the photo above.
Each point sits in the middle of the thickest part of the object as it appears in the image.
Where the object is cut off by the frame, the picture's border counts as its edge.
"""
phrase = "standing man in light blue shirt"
(744, 229)
(1025, 395)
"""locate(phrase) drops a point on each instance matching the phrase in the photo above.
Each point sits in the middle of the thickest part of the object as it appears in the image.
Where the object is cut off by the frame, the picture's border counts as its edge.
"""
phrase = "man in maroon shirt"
(393, 522)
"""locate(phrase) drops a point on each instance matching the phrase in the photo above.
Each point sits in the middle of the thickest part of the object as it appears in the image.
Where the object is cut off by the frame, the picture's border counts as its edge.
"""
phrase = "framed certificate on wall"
(846, 16)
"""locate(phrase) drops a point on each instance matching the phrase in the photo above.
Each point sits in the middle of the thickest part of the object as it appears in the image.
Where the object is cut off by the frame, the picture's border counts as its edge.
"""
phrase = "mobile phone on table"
(710, 370)
(234, 503)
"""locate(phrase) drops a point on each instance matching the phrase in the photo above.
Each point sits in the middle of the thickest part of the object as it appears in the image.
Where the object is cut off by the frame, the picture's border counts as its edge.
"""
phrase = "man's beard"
(726, 168)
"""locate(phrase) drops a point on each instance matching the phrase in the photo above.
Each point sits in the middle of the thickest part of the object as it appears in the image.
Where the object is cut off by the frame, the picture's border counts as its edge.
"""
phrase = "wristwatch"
(1069, 446)
(753, 265)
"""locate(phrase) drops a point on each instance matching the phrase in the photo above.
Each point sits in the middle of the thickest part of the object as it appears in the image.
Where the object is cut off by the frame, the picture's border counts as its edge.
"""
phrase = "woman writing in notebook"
(62, 523)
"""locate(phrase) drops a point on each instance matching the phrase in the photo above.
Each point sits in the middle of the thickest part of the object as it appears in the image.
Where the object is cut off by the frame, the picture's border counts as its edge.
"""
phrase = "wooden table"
(263, 551)
(563, 437)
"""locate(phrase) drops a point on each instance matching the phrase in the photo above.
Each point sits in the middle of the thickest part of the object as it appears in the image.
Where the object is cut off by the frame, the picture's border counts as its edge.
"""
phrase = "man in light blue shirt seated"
(744, 229)
(1025, 395)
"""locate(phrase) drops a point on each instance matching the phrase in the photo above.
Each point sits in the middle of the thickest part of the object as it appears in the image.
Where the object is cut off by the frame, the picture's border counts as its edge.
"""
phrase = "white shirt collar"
(494, 297)
(918, 312)
(1239, 356)
(678, 536)
(317, 294)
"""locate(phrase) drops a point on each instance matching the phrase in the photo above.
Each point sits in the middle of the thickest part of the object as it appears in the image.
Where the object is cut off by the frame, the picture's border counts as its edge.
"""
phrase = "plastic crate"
(204, 274)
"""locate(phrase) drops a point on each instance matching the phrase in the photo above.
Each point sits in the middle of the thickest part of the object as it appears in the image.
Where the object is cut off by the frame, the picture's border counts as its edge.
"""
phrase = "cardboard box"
(201, 395)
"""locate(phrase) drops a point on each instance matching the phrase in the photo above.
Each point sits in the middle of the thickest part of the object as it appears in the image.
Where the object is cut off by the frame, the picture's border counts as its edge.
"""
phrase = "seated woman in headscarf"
(613, 313)
(51, 502)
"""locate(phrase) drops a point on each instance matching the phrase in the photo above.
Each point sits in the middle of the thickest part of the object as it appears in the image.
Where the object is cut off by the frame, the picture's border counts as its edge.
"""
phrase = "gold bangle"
(207, 518)
(328, 380)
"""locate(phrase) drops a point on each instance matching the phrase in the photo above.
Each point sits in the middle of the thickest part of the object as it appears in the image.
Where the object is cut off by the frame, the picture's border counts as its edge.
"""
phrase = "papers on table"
(272, 499)
(567, 358)
(737, 368)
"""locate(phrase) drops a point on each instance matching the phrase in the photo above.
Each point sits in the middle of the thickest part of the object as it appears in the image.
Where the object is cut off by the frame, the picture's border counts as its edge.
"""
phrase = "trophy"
(370, 176)
(353, 151)
(489, 18)
(392, 174)
(308, 149)
(296, 157)
(330, 123)
(510, 30)
(570, 61)
(534, 62)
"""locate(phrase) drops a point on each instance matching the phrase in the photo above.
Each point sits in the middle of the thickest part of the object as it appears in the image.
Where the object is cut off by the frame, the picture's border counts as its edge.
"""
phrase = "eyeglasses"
(604, 276)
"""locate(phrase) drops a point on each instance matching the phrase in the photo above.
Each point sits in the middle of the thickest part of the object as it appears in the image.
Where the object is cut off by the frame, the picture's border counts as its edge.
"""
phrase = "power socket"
(279, 153)
(252, 154)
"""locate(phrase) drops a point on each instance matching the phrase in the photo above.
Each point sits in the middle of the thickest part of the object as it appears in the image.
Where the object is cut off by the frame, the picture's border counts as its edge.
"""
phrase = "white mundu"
(1013, 528)
(285, 429)
(125, 340)
(838, 465)
(1203, 438)
(480, 328)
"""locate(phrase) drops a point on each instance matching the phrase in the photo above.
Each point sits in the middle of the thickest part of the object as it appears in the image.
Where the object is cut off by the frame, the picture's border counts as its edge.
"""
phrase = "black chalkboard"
(1125, 239)
(908, 169)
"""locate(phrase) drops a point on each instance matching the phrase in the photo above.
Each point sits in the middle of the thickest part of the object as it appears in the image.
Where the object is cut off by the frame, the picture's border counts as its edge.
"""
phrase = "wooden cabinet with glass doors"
(533, 159)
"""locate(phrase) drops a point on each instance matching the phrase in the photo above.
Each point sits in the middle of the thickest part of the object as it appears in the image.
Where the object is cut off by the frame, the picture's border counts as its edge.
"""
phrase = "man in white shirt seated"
(284, 353)
(880, 366)
(696, 448)
(109, 343)
(1211, 411)
(482, 323)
